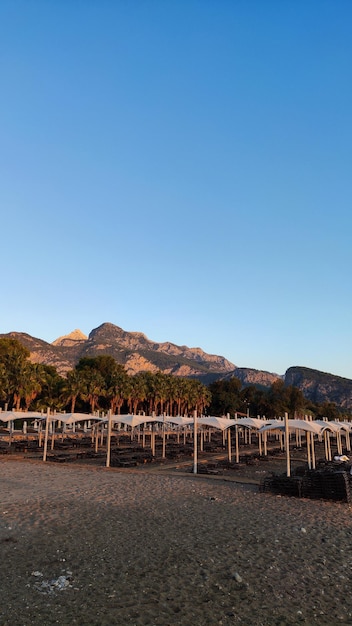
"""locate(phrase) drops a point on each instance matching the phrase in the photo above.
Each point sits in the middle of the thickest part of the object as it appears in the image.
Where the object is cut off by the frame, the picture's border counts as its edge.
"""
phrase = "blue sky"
(182, 169)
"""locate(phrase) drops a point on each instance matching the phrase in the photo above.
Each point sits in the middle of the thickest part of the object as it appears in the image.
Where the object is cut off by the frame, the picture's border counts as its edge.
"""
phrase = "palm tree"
(203, 397)
(117, 389)
(20, 383)
(33, 384)
(171, 394)
(73, 387)
(161, 391)
(93, 387)
(137, 392)
(180, 394)
(14, 358)
(150, 385)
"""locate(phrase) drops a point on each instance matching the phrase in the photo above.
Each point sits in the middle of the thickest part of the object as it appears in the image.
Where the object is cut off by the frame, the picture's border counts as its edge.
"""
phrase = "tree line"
(96, 383)
(100, 383)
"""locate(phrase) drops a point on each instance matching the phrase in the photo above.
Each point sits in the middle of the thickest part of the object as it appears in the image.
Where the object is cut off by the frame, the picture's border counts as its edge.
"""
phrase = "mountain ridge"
(138, 353)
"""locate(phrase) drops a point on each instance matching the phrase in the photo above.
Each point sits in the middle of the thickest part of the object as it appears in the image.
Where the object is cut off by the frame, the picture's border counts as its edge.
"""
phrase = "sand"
(96, 546)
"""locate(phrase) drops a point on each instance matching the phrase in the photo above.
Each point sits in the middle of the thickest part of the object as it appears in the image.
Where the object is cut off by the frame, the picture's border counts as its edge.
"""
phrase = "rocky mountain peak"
(68, 340)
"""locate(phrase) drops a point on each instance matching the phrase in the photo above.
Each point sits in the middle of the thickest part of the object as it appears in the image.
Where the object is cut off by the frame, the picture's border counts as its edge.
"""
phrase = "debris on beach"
(237, 577)
(55, 584)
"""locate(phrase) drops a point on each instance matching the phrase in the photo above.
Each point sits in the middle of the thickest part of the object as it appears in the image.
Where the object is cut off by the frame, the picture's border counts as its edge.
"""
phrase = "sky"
(181, 169)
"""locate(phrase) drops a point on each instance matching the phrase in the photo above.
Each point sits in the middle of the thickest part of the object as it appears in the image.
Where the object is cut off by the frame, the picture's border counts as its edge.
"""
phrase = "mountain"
(71, 339)
(259, 378)
(138, 353)
(132, 349)
(321, 387)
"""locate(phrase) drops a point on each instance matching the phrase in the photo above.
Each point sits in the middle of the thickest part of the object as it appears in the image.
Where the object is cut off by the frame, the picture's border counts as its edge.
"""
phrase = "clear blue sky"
(182, 169)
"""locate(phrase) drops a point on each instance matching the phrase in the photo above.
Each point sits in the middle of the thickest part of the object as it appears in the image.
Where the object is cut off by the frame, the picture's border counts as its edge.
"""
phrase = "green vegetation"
(101, 383)
(228, 396)
(95, 383)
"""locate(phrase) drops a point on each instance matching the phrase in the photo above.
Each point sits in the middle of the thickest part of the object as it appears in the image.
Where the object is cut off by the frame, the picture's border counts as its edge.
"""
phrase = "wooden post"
(326, 446)
(329, 446)
(229, 443)
(97, 437)
(195, 458)
(313, 451)
(152, 440)
(46, 435)
(164, 440)
(287, 446)
(52, 435)
(308, 450)
(108, 443)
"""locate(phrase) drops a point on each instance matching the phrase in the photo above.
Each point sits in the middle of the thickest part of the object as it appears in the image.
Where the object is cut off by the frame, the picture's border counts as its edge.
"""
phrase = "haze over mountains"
(137, 353)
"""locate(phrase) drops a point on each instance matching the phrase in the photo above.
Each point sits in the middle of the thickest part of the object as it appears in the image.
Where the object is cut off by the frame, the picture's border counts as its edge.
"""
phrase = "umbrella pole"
(53, 435)
(326, 447)
(347, 440)
(108, 443)
(313, 451)
(265, 444)
(237, 445)
(152, 440)
(40, 434)
(287, 446)
(195, 459)
(340, 442)
(46, 435)
(329, 446)
(308, 450)
(229, 444)
(164, 441)
(96, 438)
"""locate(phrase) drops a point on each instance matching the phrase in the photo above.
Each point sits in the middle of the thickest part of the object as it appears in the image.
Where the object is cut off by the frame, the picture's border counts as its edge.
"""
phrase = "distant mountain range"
(137, 353)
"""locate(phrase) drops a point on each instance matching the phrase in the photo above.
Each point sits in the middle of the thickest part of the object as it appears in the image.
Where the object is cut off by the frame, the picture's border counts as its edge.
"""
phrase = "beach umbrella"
(221, 423)
(250, 423)
(292, 424)
(132, 421)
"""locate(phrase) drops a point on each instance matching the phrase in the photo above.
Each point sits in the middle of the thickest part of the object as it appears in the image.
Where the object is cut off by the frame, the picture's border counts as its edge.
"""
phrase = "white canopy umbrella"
(11, 416)
(251, 423)
(74, 418)
(337, 428)
(132, 421)
(7, 416)
(65, 418)
(311, 428)
(179, 420)
(220, 423)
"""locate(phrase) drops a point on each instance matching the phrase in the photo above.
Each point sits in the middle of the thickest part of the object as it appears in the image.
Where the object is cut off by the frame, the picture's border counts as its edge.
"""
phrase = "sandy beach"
(95, 546)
